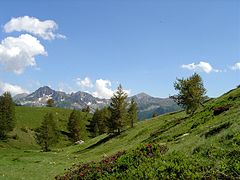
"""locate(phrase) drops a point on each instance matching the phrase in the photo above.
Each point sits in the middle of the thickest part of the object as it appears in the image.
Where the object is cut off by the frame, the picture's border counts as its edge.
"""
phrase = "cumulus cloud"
(236, 66)
(202, 66)
(84, 83)
(103, 89)
(17, 53)
(13, 89)
(44, 29)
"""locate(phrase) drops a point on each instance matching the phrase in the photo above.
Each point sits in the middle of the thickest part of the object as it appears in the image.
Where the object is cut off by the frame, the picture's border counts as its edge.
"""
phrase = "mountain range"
(147, 104)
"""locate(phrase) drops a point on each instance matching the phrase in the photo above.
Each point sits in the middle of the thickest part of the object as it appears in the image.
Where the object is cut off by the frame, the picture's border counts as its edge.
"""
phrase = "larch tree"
(74, 125)
(92, 126)
(191, 93)
(47, 134)
(133, 112)
(118, 111)
(98, 123)
(7, 114)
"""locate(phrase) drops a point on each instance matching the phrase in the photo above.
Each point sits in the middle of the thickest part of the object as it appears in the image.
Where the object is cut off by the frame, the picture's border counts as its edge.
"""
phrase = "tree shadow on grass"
(110, 136)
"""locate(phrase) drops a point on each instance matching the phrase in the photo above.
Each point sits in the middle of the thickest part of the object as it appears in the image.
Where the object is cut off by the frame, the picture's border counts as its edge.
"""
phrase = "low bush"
(115, 164)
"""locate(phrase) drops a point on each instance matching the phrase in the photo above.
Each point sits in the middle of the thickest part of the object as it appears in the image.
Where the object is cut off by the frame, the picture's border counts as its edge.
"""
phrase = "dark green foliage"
(118, 109)
(92, 126)
(98, 123)
(75, 125)
(104, 116)
(50, 103)
(133, 113)
(191, 93)
(7, 114)
(47, 134)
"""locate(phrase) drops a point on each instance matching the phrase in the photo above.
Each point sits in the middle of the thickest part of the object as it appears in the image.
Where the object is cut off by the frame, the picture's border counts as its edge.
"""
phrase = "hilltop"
(206, 144)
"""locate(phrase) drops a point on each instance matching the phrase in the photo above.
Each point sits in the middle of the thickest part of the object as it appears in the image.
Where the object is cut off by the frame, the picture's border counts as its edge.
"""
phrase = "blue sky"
(142, 44)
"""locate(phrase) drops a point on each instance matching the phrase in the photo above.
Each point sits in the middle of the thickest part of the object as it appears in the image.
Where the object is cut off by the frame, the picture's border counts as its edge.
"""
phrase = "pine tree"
(191, 93)
(118, 109)
(104, 115)
(74, 125)
(133, 112)
(7, 114)
(92, 127)
(98, 123)
(47, 134)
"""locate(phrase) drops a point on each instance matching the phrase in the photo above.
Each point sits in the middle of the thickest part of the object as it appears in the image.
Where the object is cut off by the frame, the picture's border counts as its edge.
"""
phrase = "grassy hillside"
(28, 119)
(209, 142)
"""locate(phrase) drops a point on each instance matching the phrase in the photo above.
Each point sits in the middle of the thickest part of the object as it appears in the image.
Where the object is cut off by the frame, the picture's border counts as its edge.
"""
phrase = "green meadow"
(210, 140)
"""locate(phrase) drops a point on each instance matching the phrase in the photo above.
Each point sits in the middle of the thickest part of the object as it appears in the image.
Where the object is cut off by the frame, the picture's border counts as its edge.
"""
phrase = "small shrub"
(115, 164)
(219, 110)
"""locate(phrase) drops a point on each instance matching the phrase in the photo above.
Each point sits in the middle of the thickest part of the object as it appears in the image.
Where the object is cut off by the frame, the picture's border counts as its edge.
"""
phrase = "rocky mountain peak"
(147, 104)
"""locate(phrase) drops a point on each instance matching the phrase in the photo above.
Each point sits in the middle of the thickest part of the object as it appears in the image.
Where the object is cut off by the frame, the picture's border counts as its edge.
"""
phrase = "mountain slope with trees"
(208, 140)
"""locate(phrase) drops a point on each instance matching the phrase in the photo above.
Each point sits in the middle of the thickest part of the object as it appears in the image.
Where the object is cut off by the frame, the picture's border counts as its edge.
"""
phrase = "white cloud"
(17, 53)
(43, 29)
(13, 89)
(85, 83)
(103, 89)
(202, 66)
(236, 66)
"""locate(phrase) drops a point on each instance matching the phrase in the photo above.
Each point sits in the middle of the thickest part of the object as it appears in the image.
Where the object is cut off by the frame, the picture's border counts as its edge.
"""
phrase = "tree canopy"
(133, 112)
(47, 134)
(191, 93)
(75, 125)
(7, 114)
(118, 109)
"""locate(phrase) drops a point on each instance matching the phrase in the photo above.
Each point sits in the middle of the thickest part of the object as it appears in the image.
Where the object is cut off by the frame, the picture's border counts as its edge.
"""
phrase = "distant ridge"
(147, 104)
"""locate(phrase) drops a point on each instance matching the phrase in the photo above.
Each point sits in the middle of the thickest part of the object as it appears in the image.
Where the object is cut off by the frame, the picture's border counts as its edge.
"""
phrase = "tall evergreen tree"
(118, 109)
(92, 126)
(191, 93)
(133, 112)
(74, 125)
(98, 123)
(102, 123)
(7, 114)
(47, 134)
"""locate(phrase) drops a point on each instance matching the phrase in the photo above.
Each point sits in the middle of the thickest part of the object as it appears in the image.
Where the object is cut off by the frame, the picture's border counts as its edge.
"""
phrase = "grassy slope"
(183, 134)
